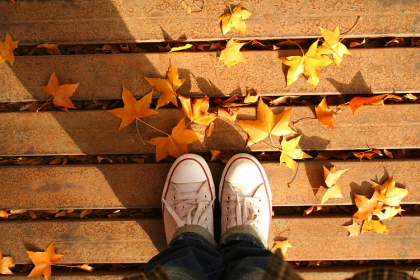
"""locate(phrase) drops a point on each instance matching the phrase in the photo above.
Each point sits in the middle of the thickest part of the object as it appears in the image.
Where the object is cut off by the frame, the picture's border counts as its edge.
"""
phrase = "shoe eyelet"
(205, 207)
(205, 196)
(174, 207)
(174, 197)
(259, 200)
(207, 220)
(258, 210)
(227, 208)
(227, 218)
(228, 197)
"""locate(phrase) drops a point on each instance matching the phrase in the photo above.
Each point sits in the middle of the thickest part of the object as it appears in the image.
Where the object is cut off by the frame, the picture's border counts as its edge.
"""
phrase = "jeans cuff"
(245, 233)
(204, 233)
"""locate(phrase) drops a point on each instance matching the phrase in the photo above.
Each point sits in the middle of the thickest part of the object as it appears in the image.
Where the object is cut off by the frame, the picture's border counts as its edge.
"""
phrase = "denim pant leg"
(245, 253)
(191, 255)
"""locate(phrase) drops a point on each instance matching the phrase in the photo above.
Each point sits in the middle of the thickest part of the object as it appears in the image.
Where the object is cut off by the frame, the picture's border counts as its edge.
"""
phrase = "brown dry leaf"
(61, 93)
(197, 111)
(333, 45)
(283, 99)
(362, 155)
(176, 144)
(113, 48)
(85, 213)
(289, 152)
(61, 214)
(133, 108)
(354, 228)
(311, 209)
(235, 19)
(355, 44)
(375, 225)
(50, 48)
(324, 114)
(266, 124)
(167, 86)
(4, 214)
(396, 42)
(222, 156)
(307, 65)
(176, 49)
(366, 206)
(43, 261)
(282, 245)
(389, 194)
(330, 154)
(356, 102)
(6, 263)
(232, 55)
(6, 49)
(167, 48)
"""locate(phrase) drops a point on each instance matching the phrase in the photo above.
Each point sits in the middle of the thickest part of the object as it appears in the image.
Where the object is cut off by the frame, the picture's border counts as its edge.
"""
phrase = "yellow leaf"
(235, 19)
(197, 112)
(267, 123)
(289, 152)
(390, 194)
(6, 263)
(175, 49)
(50, 48)
(390, 212)
(282, 245)
(333, 192)
(331, 176)
(232, 55)
(6, 49)
(354, 229)
(375, 225)
(307, 65)
(332, 44)
(324, 114)
(43, 261)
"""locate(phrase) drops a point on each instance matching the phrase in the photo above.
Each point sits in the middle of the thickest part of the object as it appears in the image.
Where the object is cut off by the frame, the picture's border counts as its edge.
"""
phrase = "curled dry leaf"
(251, 97)
(357, 102)
(355, 44)
(133, 108)
(289, 152)
(375, 225)
(197, 111)
(86, 267)
(167, 87)
(235, 19)
(307, 65)
(6, 263)
(4, 214)
(311, 209)
(282, 245)
(50, 48)
(333, 45)
(283, 99)
(232, 54)
(61, 93)
(331, 177)
(354, 228)
(6, 49)
(176, 144)
(43, 261)
(85, 213)
(324, 114)
(389, 194)
(181, 48)
(186, 7)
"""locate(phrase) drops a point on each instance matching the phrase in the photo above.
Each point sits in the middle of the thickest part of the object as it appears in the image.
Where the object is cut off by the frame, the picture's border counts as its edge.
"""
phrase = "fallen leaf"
(329, 154)
(397, 42)
(389, 194)
(235, 19)
(197, 111)
(176, 144)
(282, 99)
(4, 214)
(232, 55)
(282, 245)
(410, 96)
(307, 65)
(133, 108)
(61, 93)
(390, 212)
(356, 102)
(50, 48)
(251, 97)
(85, 213)
(354, 229)
(289, 152)
(175, 49)
(6, 49)
(222, 156)
(331, 176)
(6, 263)
(186, 7)
(229, 113)
(324, 114)
(366, 206)
(362, 155)
(167, 86)
(333, 45)
(333, 192)
(43, 261)
(86, 267)
(167, 48)
(311, 209)
(355, 44)
(314, 263)
(209, 129)
(61, 214)
(375, 225)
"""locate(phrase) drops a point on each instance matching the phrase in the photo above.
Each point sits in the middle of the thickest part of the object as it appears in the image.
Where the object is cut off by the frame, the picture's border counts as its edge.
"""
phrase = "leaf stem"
(45, 103)
(152, 126)
(25, 59)
(138, 131)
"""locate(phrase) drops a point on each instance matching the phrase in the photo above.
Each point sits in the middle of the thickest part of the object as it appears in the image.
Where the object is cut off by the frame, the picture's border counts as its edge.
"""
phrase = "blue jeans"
(193, 254)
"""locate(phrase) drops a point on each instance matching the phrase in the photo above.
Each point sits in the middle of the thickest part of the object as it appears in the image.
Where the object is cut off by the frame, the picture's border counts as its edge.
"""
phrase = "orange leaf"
(43, 261)
(232, 55)
(133, 108)
(376, 226)
(354, 229)
(50, 48)
(222, 156)
(197, 112)
(356, 102)
(4, 214)
(6, 263)
(61, 93)
(235, 19)
(167, 86)
(229, 113)
(324, 114)
(366, 206)
(6, 49)
(176, 144)
(311, 209)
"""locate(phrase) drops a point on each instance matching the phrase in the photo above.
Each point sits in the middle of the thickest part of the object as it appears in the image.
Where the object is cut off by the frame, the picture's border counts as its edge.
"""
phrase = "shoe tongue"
(188, 187)
(245, 189)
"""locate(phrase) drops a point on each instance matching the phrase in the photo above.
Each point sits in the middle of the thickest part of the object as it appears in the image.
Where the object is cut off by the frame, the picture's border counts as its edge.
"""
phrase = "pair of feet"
(189, 195)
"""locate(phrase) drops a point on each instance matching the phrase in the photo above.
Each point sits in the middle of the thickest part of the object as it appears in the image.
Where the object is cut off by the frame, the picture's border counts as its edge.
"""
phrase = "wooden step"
(77, 275)
(118, 186)
(314, 238)
(80, 132)
(101, 76)
(84, 22)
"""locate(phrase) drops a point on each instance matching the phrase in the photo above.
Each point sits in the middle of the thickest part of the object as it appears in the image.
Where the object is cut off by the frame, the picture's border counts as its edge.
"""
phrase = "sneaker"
(245, 194)
(188, 195)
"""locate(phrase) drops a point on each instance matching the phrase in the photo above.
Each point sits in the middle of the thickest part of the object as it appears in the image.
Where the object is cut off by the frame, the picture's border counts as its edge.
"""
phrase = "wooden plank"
(118, 186)
(318, 237)
(79, 132)
(77, 275)
(81, 21)
(101, 76)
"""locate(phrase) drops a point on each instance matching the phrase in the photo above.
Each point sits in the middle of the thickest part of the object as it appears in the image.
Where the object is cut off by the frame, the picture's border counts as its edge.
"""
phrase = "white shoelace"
(191, 208)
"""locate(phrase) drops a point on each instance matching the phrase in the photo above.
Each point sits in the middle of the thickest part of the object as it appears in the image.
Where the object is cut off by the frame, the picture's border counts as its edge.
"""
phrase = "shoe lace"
(191, 208)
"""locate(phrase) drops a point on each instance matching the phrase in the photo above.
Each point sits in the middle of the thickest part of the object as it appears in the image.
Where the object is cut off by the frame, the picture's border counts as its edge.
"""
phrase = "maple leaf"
(6, 263)
(289, 152)
(167, 86)
(43, 261)
(6, 49)
(354, 229)
(235, 19)
(366, 206)
(266, 124)
(390, 212)
(307, 65)
(232, 55)
(176, 144)
(389, 194)
(356, 102)
(324, 114)
(133, 108)
(332, 44)
(282, 245)
(61, 93)
(331, 177)
(197, 111)
(375, 225)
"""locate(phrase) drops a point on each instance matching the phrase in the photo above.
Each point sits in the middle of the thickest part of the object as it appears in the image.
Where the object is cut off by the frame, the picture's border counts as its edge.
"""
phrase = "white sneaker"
(188, 195)
(245, 194)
